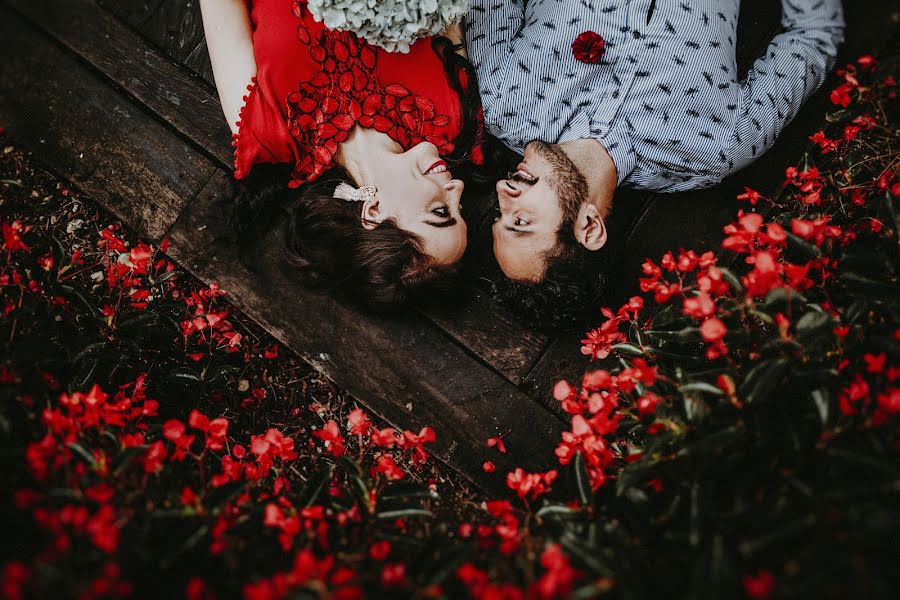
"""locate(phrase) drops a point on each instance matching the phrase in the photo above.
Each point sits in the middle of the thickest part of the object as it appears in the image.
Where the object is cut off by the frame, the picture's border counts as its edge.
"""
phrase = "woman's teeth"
(440, 168)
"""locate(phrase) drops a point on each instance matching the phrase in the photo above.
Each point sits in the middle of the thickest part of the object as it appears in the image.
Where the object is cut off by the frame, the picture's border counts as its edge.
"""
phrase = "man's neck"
(598, 168)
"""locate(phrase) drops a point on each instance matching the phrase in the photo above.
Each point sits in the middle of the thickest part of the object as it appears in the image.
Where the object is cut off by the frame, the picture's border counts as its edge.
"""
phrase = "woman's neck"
(360, 153)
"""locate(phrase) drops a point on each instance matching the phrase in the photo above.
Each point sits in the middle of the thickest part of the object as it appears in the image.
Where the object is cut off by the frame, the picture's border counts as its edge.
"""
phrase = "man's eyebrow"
(448, 223)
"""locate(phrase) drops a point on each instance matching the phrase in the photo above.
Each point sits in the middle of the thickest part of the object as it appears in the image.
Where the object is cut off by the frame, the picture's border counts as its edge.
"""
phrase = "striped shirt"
(665, 99)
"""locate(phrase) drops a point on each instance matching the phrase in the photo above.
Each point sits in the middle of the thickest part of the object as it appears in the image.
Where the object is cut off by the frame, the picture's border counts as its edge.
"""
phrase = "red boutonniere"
(588, 47)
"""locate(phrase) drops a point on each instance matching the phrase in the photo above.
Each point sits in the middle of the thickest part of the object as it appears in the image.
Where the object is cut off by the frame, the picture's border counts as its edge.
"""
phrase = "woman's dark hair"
(324, 238)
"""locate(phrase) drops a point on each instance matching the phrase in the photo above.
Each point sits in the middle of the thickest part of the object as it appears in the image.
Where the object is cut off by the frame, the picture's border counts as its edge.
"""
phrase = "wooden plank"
(491, 333)
(176, 26)
(402, 369)
(198, 62)
(169, 91)
(133, 12)
(92, 134)
(562, 360)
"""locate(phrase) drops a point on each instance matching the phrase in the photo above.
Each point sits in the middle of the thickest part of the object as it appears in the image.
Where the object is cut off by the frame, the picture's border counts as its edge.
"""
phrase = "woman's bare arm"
(229, 39)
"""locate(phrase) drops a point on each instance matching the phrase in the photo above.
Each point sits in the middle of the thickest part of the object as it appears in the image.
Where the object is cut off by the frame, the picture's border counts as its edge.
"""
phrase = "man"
(601, 93)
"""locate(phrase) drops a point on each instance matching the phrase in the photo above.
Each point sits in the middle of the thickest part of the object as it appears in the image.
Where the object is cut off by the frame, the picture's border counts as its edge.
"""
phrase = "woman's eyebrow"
(448, 223)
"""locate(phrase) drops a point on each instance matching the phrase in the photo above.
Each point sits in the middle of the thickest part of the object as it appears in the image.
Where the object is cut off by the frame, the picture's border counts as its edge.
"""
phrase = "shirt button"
(636, 34)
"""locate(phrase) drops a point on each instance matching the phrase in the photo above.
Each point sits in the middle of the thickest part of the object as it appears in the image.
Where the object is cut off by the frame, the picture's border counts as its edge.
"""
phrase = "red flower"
(488, 467)
(331, 435)
(358, 423)
(759, 586)
(713, 330)
(588, 47)
(11, 237)
(380, 550)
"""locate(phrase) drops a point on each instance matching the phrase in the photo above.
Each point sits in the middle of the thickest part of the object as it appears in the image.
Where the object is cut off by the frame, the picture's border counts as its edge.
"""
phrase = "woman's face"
(416, 189)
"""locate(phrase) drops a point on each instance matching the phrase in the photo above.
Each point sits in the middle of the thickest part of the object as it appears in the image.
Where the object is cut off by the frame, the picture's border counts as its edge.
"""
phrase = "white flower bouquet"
(390, 24)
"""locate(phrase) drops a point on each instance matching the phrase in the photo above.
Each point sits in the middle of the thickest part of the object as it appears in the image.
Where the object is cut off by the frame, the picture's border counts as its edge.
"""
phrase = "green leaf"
(184, 374)
(784, 296)
(627, 350)
(701, 386)
(138, 319)
(124, 459)
(804, 248)
(696, 410)
(221, 495)
(220, 371)
(685, 334)
(732, 280)
(75, 294)
(361, 491)
(398, 490)
(167, 276)
(589, 557)
(763, 379)
(864, 285)
(813, 324)
(582, 479)
(82, 453)
(556, 511)
(837, 116)
(404, 513)
(635, 473)
(821, 398)
(90, 349)
(315, 485)
(714, 442)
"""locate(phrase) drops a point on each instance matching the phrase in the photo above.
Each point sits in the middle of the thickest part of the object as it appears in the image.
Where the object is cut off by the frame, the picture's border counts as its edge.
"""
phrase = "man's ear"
(371, 216)
(590, 229)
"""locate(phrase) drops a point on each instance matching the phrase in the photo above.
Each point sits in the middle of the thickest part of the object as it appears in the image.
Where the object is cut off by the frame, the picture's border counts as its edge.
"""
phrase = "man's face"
(541, 197)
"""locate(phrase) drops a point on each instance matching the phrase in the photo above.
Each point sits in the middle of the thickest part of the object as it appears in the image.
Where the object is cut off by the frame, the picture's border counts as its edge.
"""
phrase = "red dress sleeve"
(262, 136)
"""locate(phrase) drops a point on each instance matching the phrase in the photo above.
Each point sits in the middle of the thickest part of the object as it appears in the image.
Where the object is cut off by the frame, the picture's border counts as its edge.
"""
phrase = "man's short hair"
(573, 286)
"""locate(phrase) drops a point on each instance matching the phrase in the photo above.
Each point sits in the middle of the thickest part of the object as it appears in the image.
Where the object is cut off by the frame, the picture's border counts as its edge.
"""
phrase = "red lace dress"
(313, 85)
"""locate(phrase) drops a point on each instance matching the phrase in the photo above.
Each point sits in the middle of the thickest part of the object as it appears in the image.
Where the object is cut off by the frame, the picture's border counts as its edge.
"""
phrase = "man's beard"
(566, 180)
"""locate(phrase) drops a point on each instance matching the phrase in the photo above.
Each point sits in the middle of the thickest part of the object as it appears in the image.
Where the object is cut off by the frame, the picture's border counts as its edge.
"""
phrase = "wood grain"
(171, 92)
(92, 134)
(400, 368)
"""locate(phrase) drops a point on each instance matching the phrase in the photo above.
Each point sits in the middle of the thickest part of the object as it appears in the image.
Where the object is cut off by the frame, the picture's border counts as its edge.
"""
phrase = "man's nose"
(505, 189)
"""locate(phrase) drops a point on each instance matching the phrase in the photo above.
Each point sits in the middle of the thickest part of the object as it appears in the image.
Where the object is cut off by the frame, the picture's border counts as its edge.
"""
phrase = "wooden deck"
(117, 97)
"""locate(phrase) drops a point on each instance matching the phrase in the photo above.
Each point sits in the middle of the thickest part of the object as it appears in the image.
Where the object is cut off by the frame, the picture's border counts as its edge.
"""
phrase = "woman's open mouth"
(438, 167)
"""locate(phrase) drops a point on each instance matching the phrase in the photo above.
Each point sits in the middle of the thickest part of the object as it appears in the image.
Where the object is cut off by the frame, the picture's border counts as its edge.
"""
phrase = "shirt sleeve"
(793, 68)
(491, 26)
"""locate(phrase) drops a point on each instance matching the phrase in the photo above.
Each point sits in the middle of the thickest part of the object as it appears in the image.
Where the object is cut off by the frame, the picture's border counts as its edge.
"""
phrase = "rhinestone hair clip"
(345, 191)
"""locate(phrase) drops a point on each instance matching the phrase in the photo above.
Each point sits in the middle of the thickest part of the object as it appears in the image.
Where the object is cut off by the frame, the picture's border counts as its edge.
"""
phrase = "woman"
(367, 135)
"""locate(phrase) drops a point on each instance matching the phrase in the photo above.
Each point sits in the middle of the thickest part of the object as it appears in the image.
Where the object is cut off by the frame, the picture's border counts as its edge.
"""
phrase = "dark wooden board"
(390, 365)
(499, 339)
(92, 134)
(177, 27)
(129, 61)
(132, 12)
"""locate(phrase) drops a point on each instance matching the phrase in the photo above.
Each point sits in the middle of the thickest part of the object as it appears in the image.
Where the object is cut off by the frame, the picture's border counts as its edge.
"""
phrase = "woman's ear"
(590, 228)
(371, 216)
